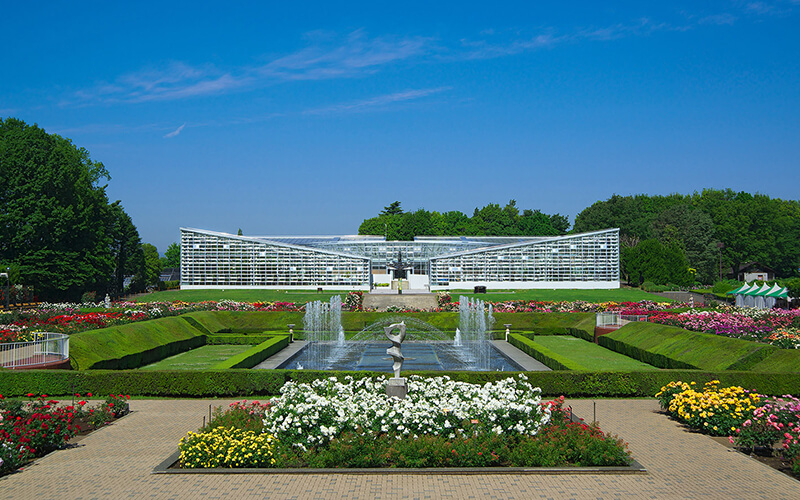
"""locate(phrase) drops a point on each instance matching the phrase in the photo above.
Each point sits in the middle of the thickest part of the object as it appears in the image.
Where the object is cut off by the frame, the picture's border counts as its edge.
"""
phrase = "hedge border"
(248, 383)
(234, 339)
(255, 355)
(645, 356)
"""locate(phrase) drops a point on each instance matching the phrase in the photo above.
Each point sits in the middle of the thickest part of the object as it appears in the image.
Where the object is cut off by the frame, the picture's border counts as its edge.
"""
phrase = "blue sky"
(283, 119)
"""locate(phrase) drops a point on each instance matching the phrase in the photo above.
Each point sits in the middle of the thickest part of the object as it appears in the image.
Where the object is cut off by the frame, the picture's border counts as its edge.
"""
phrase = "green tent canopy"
(763, 291)
(778, 292)
(739, 290)
(752, 291)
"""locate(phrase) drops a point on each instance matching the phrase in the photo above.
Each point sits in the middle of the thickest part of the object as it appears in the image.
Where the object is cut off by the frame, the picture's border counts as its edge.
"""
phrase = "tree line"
(491, 220)
(58, 230)
(683, 239)
(60, 233)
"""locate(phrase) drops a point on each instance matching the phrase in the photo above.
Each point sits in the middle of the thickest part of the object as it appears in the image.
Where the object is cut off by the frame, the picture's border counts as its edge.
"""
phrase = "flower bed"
(442, 423)
(777, 326)
(751, 421)
(31, 429)
(68, 318)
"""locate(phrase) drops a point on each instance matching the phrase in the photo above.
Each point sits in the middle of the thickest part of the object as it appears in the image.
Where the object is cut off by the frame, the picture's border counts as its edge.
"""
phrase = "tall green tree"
(55, 218)
(692, 230)
(172, 256)
(655, 262)
(152, 264)
(127, 253)
(393, 209)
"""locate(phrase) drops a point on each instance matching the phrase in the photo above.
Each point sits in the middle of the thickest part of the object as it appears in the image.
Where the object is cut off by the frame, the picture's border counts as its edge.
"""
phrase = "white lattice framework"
(220, 260)
(586, 260)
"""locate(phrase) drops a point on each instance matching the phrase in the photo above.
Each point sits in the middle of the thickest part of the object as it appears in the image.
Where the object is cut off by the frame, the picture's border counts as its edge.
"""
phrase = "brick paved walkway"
(116, 462)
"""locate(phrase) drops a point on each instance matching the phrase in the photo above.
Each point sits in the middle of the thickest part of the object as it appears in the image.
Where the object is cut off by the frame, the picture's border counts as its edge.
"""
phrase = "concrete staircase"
(409, 299)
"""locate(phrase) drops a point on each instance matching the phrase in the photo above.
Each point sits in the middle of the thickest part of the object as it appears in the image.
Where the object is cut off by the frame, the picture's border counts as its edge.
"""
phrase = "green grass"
(591, 356)
(130, 345)
(201, 358)
(618, 295)
(672, 347)
(781, 361)
(257, 322)
(303, 296)
(298, 296)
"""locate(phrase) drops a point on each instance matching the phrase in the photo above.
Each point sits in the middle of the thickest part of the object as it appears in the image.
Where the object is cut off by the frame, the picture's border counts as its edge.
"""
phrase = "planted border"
(241, 383)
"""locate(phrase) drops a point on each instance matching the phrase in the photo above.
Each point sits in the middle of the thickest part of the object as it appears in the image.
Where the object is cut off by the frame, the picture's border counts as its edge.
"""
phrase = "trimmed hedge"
(540, 353)
(256, 354)
(246, 321)
(237, 339)
(257, 322)
(247, 383)
(132, 345)
(672, 347)
(784, 360)
(563, 323)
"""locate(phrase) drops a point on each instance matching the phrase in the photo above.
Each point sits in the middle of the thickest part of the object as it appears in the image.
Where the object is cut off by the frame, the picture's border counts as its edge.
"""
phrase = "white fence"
(44, 349)
(612, 319)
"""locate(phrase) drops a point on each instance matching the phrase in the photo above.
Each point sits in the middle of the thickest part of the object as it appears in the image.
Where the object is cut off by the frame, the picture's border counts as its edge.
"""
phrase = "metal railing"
(611, 319)
(46, 348)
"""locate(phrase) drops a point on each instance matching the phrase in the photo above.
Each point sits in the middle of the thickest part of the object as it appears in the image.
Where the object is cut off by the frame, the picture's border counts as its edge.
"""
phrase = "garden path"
(117, 461)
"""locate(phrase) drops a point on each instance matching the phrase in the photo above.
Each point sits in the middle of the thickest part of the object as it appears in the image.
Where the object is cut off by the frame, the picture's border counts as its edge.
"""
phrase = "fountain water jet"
(475, 327)
(425, 348)
(322, 324)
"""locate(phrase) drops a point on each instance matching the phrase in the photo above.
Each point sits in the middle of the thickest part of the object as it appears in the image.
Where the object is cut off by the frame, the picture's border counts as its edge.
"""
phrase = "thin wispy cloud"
(358, 55)
(378, 102)
(487, 48)
(175, 132)
(355, 55)
(718, 19)
(767, 7)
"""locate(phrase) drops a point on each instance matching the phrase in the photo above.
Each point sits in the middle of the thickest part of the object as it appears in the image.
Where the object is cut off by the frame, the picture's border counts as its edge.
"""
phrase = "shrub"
(226, 447)
(34, 428)
(239, 414)
(725, 286)
(715, 410)
(247, 383)
(560, 442)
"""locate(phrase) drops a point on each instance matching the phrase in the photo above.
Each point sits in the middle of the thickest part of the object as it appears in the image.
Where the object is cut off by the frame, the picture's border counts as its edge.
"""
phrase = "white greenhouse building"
(212, 259)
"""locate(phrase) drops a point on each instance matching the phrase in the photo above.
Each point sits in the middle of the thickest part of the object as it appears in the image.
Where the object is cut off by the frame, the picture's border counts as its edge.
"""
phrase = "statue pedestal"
(396, 388)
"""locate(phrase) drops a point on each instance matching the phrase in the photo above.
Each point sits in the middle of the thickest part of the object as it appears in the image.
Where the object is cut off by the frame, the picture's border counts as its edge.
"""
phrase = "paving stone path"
(116, 462)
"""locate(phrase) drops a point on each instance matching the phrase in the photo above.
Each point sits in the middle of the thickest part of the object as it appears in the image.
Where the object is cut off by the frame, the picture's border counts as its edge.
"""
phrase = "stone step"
(381, 301)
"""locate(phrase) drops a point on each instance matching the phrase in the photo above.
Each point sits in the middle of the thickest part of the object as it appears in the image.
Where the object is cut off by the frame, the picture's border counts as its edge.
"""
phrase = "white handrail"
(608, 319)
(46, 348)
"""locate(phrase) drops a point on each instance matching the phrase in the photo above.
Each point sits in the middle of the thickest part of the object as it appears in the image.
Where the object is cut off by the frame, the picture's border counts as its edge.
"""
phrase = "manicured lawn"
(300, 296)
(303, 296)
(201, 358)
(590, 355)
(618, 295)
